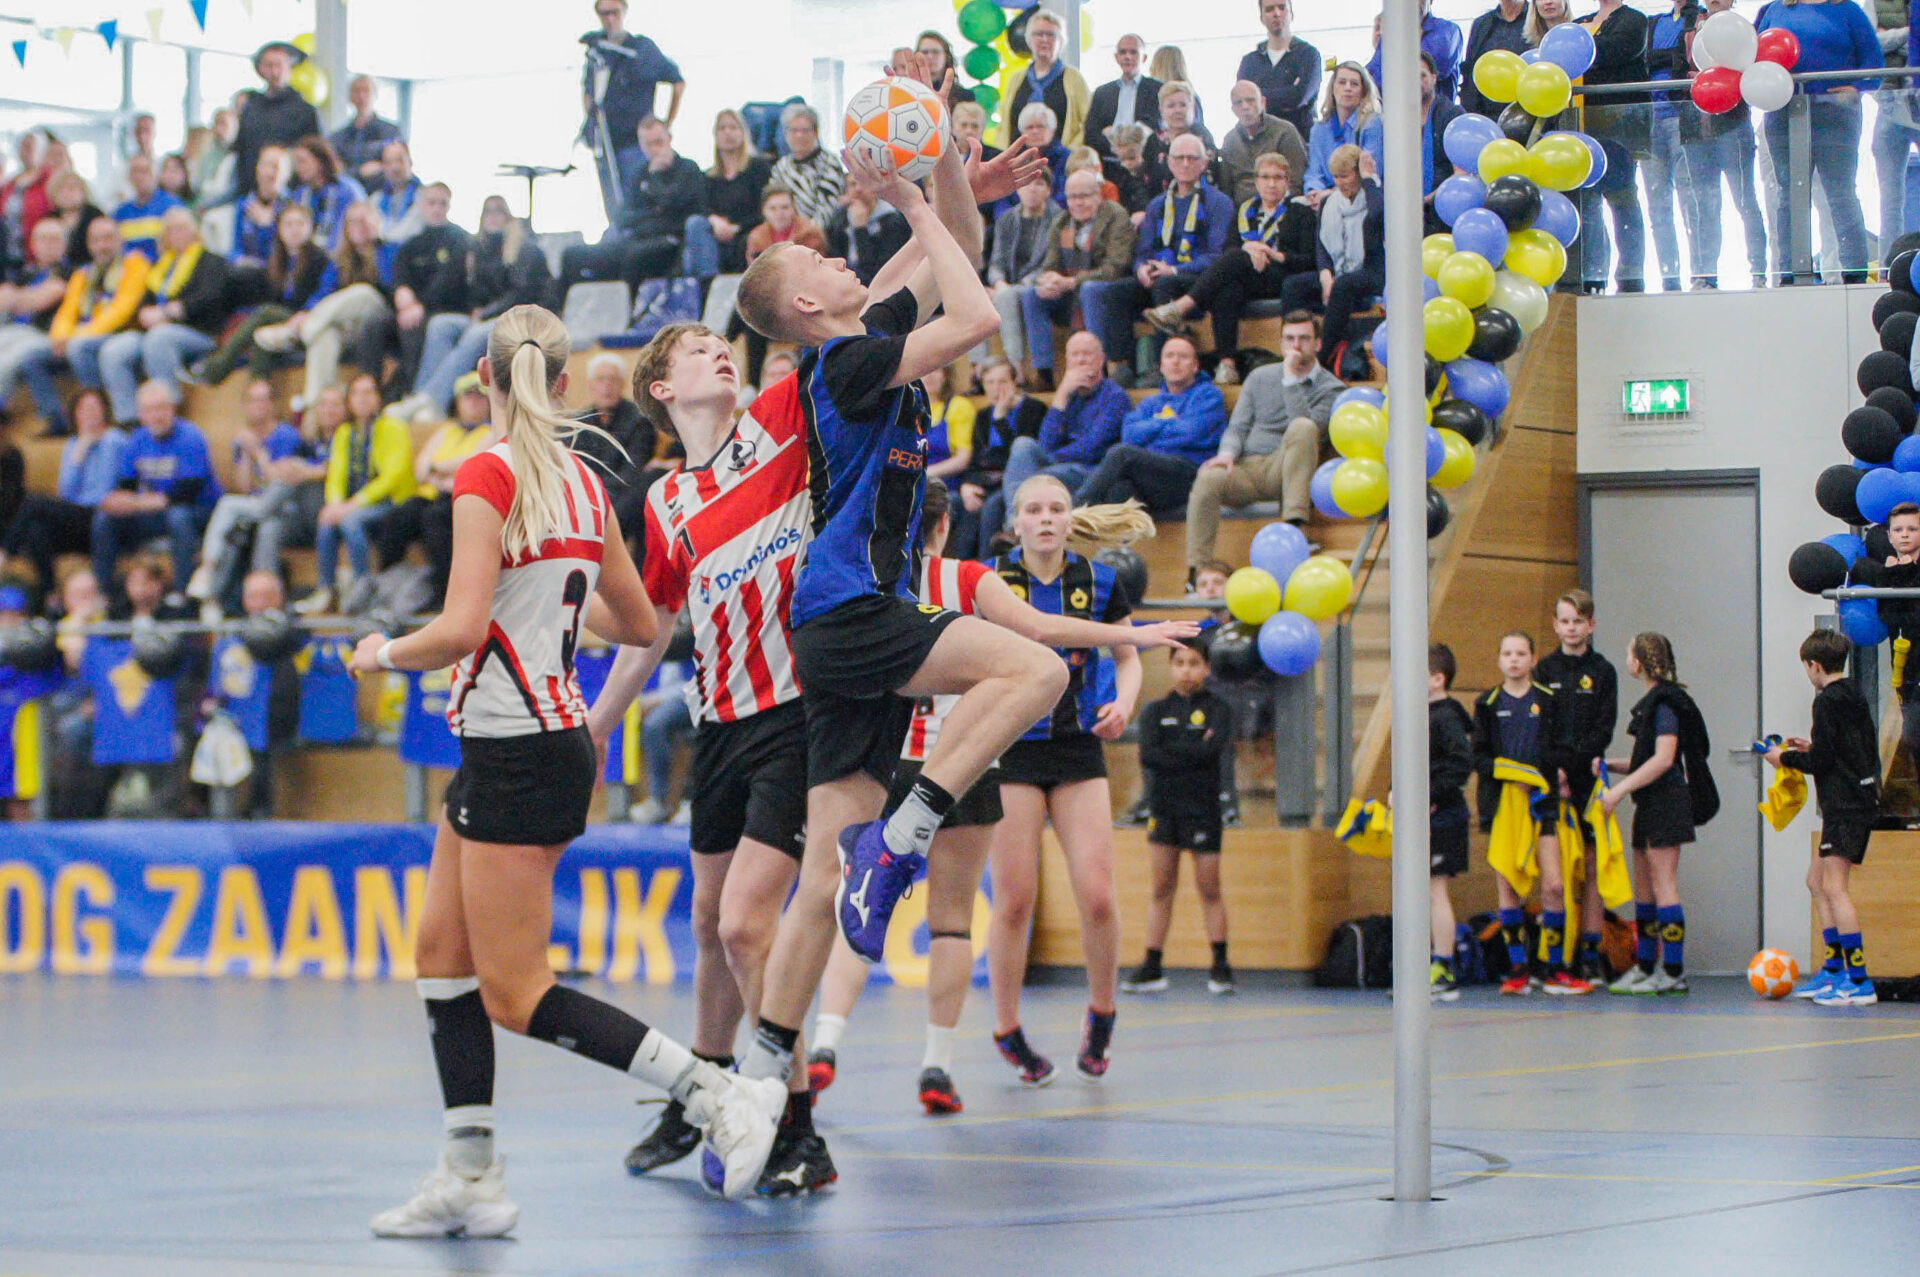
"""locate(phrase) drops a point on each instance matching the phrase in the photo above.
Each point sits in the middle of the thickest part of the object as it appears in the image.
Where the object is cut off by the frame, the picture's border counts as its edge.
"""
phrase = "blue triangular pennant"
(20, 51)
(109, 31)
(199, 8)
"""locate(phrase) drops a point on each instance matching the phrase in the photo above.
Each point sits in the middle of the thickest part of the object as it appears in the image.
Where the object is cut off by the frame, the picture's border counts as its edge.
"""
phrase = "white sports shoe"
(740, 1117)
(1630, 982)
(451, 1205)
(648, 811)
(682, 816)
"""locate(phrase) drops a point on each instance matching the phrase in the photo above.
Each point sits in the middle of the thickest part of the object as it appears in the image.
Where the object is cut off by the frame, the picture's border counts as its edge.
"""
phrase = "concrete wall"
(1772, 377)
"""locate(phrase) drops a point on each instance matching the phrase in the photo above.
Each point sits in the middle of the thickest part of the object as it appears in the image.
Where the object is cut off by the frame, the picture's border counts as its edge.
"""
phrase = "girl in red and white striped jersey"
(537, 553)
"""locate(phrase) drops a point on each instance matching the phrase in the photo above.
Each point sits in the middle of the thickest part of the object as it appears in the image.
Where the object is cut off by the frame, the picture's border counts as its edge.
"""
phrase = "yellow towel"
(1610, 855)
(1367, 828)
(1785, 797)
(1511, 844)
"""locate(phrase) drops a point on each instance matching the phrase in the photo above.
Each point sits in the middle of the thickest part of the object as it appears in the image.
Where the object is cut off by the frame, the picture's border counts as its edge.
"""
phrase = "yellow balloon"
(1502, 157)
(310, 82)
(1449, 328)
(1434, 249)
(1358, 430)
(1544, 89)
(1497, 74)
(1252, 595)
(1360, 487)
(1086, 30)
(1559, 162)
(304, 42)
(1458, 465)
(1322, 586)
(1466, 277)
(1536, 255)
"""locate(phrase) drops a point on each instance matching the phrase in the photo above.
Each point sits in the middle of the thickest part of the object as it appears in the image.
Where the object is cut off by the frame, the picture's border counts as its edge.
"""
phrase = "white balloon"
(1729, 39)
(1766, 86)
(1703, 60)
(1520, 297)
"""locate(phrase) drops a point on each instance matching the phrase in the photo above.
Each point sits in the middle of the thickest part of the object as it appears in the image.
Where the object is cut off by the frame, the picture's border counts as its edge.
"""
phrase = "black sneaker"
(1092, 1062)
(672, 1138)
(1220, 980)
(1034, 1069)
(937, 1093)
(1147, 978)
(799, 1165)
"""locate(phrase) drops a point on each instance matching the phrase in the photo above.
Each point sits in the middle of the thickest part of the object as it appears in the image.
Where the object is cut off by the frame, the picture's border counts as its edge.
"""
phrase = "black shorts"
(1062, 760)
(530, 790)
(1662, 817)
(1196, 832)
(853, 661)
(979, 806)
(1846, 837)
(1447, 850)
(750, 781)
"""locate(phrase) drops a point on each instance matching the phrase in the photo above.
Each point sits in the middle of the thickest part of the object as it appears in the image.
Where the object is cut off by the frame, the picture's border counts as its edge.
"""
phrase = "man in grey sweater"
(1272, 443)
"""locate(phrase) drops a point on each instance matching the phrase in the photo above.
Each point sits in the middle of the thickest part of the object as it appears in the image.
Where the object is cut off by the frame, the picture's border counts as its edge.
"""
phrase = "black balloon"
(1896, 334)
(161, 654)
(1884, 368)
(1870, 435)
(1436, 373)
(1893, 303)
(1900, 272)
(271, 637)
(1439, 514)
(1515, 200)
(1834, 490)
(1496, 335)
(31, 646)
(1899, 406)
(1234, 649)
(1017, 32)
(1879, 544)
(1463, 417)
(1817, 566)
(1518, 123)
(1129, 567)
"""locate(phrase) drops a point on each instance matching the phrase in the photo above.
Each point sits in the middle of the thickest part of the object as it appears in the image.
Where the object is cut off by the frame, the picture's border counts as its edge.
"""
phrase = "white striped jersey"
(724, 541)
(521, 680)
(947, 583)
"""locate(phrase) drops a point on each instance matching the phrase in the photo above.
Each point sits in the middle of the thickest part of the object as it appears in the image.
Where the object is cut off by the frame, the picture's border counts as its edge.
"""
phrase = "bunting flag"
(20, 51)
(64, 37)
(154, 18)
(199, 8)
(109, 31)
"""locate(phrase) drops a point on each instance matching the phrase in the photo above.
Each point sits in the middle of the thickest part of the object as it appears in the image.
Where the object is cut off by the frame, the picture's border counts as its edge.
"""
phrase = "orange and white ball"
(900, 121)
(1772, 973)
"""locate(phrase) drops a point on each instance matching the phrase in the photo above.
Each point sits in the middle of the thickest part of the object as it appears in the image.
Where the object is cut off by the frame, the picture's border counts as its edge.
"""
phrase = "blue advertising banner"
(275, 900)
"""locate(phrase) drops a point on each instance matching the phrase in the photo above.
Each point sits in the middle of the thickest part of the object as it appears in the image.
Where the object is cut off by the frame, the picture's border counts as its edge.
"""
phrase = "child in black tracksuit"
(1449, 765)
(1182, 736)
(1586, 695)
(1843, 757)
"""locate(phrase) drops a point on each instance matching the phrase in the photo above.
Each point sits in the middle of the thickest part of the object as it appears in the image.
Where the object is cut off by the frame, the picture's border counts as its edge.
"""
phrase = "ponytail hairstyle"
(1655, 654)
(1093, 528)
(527, 355)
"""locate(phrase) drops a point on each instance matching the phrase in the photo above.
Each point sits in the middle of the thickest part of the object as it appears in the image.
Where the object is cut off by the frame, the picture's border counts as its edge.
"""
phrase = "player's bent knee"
(510, 1003)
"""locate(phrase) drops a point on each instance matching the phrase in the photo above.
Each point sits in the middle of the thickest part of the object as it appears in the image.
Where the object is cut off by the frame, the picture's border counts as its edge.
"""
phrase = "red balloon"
(1717, 91)
(1777, 44)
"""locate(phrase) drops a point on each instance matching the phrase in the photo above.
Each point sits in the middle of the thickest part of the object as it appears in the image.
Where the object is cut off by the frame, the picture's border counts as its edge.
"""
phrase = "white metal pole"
(1407, 603)
(1070, 10)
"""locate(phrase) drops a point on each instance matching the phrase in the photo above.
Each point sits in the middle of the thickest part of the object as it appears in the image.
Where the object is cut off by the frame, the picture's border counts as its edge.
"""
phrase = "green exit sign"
(1668, 398)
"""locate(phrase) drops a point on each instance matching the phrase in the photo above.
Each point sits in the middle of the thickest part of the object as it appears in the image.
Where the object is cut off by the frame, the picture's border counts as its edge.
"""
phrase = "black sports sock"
(799, 1115)
(911, 828)
(462, 1042)
(723, 1061)
(1153, 960)
(1220, 954)
(587, 1026)
(777, 1036)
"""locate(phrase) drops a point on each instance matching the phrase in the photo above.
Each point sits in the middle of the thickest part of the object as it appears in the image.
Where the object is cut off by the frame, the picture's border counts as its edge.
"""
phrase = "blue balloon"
(1457, 194)
(1531, 56)
(1558, 217)
(1357, 394)
(1879, 491)
(1428, 289)
(1321, 489)
(1480, 384)
(1913, 276)
(1861, 465)
(1279, 548)
(1465, 137)
(1480, 230)
(1570, 47)
(1851, 547)
(1860, 622)
(1906, 455)
(1599, 154)
(1436, 452)
(1379, 344)
(1289, 643)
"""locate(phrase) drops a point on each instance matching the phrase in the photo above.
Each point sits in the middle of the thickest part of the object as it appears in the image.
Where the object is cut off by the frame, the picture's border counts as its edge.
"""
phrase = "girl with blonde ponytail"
(537, 555)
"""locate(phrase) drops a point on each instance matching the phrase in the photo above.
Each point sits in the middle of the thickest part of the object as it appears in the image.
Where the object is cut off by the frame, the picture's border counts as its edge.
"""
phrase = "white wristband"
(383, 656)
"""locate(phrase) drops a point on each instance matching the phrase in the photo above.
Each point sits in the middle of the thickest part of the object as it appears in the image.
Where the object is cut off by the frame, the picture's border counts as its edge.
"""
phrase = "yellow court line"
(1895, 1170)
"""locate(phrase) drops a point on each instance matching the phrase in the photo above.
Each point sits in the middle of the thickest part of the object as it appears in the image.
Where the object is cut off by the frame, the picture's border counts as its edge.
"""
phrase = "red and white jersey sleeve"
(724, 541)
(947, 583)
(521, 680)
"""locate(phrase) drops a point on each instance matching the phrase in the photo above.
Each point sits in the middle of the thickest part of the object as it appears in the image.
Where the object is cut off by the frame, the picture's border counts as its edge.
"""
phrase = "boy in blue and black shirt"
(1449, 765)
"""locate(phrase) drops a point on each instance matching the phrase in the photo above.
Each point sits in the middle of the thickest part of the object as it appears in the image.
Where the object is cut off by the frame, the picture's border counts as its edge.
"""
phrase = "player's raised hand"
(1164, 634)
(1005, 173)
(877, 176)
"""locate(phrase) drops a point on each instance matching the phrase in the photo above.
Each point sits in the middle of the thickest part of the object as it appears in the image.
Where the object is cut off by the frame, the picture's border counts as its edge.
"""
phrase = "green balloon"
(982, 20)
(981, 61)
(986, 96)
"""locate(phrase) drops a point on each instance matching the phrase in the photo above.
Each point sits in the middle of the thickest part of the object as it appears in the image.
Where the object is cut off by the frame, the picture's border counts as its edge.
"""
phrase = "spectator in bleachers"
(263, 702)
(71, 208)
(166, 487)
(504, 268)
(369, 467)
(29, 300)
(618, 87)
(116, 182)
(426, 514)
(1276, 233)
(1668, 173)
(63, 523)
(277, 116)
(175, 179)
(1178, 118)
(1164, 439)
(210, 158)
(1021, 240)
(1502, 27)
(361, 142)
(1039, 128)
(23, 197)
(357, 313)
(780, 223)
(1081, 424)
(1131, 173)
(866, 233)
(1184, 231)
(186, 304)
(300, 274)
(140, 210)
(1093, 243)
(1895, 130)
(1169, 66)
(102, 299)
(1046, 79)
(1350, 116)
(645, 244)
(429, 278)
(296, 521)
(970, 125)
(257, 217)
(1620, 123)
(950, 422)
(716, 240)
(1086, 158)
(320, 184)
(631, 468)
(1008, 417)
(1436, 113)
(1253, 135)
(396, 205)
(666, 721)
(811, 175)
(261, 443)
(1352, 251)
(1287, 70)
(1272, 443)
(1440, 38)
(1723, 146)
(936, 59)
(1133, 98)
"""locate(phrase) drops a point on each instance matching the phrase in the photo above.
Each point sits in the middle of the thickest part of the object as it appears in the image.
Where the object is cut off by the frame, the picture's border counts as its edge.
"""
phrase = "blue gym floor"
(211, 1128)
